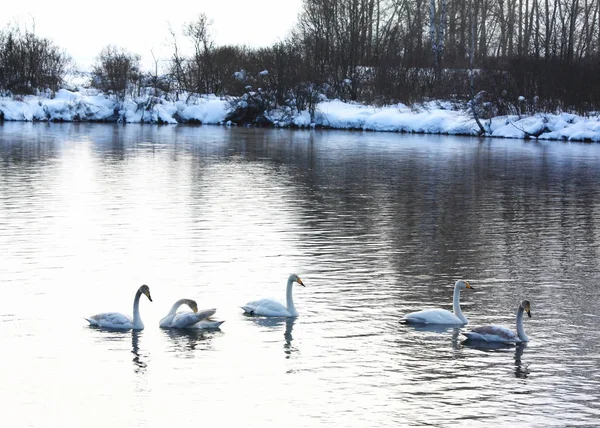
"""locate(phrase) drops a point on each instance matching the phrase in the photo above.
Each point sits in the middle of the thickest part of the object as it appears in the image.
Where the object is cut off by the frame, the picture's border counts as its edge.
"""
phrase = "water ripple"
(376, 226)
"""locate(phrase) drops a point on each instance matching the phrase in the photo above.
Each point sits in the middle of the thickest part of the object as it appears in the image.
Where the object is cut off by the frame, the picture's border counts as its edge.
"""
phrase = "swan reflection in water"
(434, 328)
(189, 340)
(485, 346)
(110, 336)
(521, 369)
(272, 322)
(138, 358)
(288, 348)
(438, 329)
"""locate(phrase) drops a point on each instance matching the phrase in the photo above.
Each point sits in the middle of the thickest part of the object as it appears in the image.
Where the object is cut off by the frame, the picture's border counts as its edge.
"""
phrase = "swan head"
(193, 305)
(189, 302)
(144, 289)
(526, 307)
(462, 285)
(295, 278)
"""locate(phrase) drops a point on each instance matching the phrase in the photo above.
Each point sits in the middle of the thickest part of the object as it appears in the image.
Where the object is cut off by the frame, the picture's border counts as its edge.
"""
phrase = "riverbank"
(432, 117)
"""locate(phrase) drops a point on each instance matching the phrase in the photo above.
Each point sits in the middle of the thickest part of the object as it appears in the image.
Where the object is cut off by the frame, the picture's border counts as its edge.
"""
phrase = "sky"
(83, 29)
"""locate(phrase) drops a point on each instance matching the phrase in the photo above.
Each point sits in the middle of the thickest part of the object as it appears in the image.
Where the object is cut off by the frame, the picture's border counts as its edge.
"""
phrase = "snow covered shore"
(436, 118)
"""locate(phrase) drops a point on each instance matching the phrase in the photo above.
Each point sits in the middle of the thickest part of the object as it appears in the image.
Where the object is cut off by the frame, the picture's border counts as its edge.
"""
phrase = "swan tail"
(412, 320)
(474, 336)
(209, 324)
(91, 321)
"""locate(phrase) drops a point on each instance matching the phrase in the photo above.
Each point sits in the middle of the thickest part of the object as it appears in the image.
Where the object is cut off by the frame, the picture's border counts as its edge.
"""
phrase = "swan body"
(190, 319)
(442, 316)
(501, 334)
(116, 320)
(273, 308)
(196, 319)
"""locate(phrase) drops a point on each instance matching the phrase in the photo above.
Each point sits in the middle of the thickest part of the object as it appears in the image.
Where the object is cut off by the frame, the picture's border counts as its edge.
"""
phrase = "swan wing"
(251, 306)
(188, 319)
(266, 307)
(433, 316)
(111, 320)
(493, 333)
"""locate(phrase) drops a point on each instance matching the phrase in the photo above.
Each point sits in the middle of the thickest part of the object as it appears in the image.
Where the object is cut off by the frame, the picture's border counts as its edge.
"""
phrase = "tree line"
(510, 55)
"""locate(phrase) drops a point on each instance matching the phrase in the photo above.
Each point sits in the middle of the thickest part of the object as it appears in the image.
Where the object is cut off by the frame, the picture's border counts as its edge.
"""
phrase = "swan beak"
(469, 285)
(299, 281)
(147, 293)
(529, 313)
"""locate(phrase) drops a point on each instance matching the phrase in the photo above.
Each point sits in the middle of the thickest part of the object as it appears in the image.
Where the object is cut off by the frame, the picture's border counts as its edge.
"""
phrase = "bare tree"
(200, 67)
(437, 34)
(475, 101)
(116, 71)
(177, 70)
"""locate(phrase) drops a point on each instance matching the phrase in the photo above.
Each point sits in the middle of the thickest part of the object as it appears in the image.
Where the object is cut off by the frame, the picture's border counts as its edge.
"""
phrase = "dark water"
(376, 225)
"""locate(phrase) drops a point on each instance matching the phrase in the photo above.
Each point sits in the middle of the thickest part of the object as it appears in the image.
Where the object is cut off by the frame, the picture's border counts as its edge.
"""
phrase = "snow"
(240, 75)
(208, 110)
(340, 115)
(434, 117)
(66, 105)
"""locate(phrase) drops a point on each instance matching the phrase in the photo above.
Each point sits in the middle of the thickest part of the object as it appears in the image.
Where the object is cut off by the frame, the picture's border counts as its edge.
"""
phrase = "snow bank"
(562, 126)
(435, 117)
(66, 106)
(439, 118)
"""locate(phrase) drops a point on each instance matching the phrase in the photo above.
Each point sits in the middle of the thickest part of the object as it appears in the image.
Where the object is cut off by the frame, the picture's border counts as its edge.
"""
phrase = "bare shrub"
(29, 63)
(116, 71)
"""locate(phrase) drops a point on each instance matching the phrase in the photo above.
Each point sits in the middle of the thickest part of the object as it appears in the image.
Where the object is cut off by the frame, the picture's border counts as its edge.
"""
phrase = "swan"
(271, 307)
(116, 320)
(196, 319)
(442, 316)
(501, 334)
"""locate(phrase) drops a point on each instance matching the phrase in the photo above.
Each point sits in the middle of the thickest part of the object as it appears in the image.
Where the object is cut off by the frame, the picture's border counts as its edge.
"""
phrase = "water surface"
(376, 225)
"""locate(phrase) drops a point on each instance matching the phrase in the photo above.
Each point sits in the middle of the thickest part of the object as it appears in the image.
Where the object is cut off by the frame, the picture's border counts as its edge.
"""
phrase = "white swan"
(196, 319)
(498, 333)
(442, 316)
(271, 307)
(120, 321)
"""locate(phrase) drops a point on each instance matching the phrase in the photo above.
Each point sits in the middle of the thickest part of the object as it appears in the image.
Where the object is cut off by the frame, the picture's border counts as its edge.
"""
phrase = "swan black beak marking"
(148, 295)
(301, 283)
(469, 286)
(529, 313)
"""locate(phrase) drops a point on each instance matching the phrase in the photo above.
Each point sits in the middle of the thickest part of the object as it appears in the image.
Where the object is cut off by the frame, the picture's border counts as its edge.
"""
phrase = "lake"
(376, 225)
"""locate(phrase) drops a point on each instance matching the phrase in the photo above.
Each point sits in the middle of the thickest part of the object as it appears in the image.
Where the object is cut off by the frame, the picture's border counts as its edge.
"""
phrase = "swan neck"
(175, 306)
(137, 320)
(456, 305)
(520, 328)
(288, 297)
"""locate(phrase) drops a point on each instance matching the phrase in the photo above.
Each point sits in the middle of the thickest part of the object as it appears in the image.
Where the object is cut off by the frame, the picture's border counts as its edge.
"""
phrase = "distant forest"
(510, 55)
